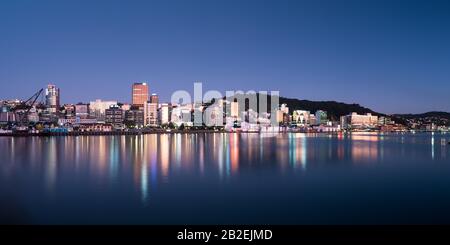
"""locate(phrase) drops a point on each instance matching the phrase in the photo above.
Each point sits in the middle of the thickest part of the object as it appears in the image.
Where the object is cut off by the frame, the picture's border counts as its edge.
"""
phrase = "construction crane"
(26, 106)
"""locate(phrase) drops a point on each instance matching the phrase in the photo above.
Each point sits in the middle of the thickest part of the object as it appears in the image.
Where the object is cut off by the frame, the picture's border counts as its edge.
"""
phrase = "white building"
(234, 109)
(98, 108)
(182, 114)
(355, 120)
(151, 114)
(52, 98)
(301, 117)
(164, 113)
(321, 117)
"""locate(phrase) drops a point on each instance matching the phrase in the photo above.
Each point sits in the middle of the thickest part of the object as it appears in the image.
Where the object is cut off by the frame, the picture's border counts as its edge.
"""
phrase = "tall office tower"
(154, 99)
(164, 113)
(140, 94)
(151, 111)
(52, 98)
(234, 109)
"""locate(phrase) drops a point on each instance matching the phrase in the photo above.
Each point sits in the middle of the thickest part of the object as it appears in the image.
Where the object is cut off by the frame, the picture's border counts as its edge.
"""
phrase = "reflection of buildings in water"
(364, 148)
(114, 153)
(153, 160)
(201, 154)
(164, 156)
(51, 163)
(137, 157)
(227, 155)
(234, 153)
(432, 145)
(148, 169)
(283, 159)
(100, 154)
(219, 154)
(297, 150)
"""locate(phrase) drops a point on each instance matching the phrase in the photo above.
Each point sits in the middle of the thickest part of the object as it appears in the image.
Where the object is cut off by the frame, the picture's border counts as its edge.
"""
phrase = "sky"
(390, 56)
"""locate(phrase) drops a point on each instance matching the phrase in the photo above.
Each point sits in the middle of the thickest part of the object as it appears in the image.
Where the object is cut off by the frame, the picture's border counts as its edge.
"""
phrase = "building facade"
(52, 96)
(321, 117)
(97, 108)
(140, 94)
(355, 121)
(164, 113)
(82, 110)
(114, 115)
(134, 117)
(151, 115)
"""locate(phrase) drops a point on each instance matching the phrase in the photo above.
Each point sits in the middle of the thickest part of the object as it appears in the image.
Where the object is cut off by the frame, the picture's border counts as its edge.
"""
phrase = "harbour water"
(226, 178)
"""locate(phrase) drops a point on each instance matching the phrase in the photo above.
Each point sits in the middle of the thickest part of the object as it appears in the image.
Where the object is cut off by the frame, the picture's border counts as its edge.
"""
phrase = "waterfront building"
(6, 115)
(280, 116)
(97, 108)
(134, 117)
(312, 119)
(284, 108)
(140, 94)
(164, 113)
(114, 116)
(300, 117)
(151, 114)
(329, 127)
(321, 117)
(151, 111)
(234, 110)
(355, 120)
(69, 110)
(95, 127)
(82, 110)
(213, 115)
(52, 96)
(76, 121)
(385, 121)
(182, 115)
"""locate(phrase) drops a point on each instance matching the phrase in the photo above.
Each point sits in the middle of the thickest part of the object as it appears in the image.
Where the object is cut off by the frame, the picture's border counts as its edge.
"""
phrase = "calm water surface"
(226, 179)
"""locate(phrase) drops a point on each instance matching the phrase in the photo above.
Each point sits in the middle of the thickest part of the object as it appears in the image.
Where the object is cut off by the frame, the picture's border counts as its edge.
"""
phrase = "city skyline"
(391, 57)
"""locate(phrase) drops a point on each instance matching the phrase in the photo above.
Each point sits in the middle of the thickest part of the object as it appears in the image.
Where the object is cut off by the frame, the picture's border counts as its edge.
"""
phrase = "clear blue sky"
(391, 56)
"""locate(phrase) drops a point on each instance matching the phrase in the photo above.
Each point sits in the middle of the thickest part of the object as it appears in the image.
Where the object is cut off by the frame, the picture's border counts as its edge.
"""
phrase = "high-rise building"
(114, 116)
(52, 98)
(151, 114)
(234, 111)
(140, 94)
(151, 111)
(154, 99)
(164, 114)
(321, 117)
(135, 117)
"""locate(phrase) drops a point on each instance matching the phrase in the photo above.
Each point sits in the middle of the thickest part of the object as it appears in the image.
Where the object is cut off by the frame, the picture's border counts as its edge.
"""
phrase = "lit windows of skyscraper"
(151, 111)
(140, 94)
(154, 99)
(52, 98)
